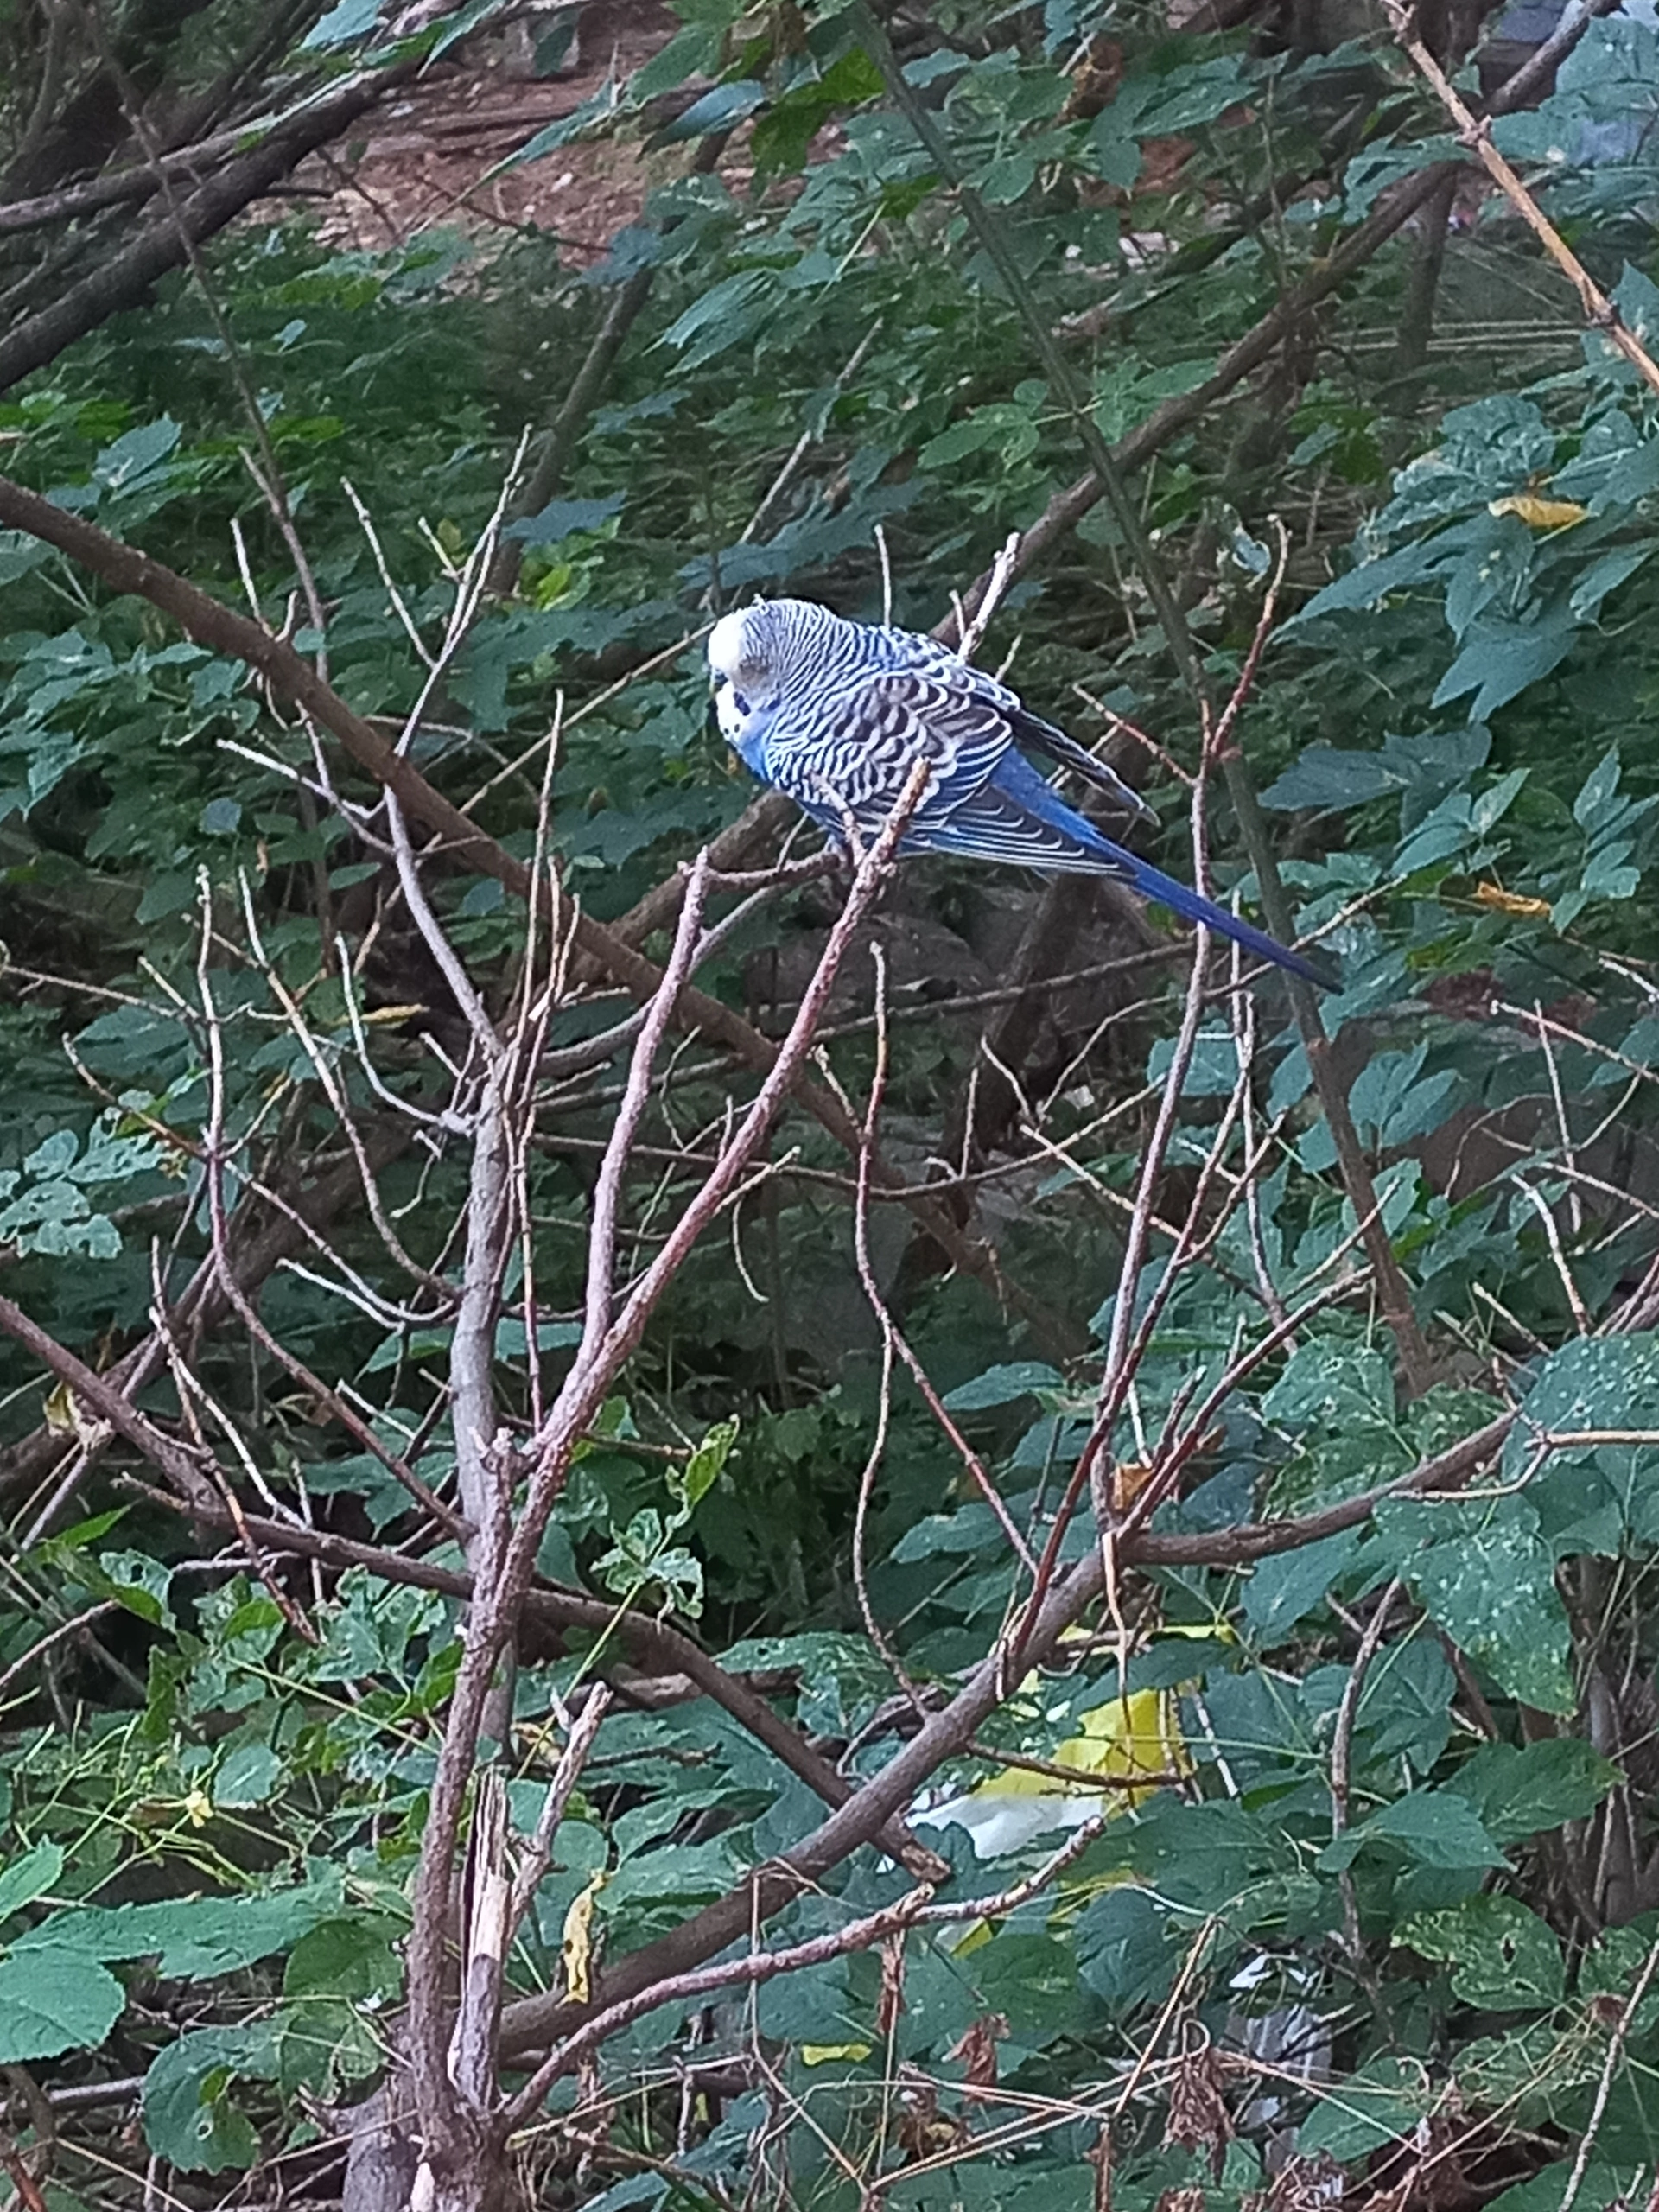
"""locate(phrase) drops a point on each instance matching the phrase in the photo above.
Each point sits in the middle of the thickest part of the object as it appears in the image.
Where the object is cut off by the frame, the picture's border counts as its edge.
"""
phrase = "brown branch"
(139, 181)
(182, 1466)
(1342, 1745)
(535, 2021)
(746, 1973)
(579, 1741)
(916, 1910)
(548, 471)
(124, 275)
(1599, 311)
(291, 677)
(49, 1642)
(204, 1303)
(605, 1348)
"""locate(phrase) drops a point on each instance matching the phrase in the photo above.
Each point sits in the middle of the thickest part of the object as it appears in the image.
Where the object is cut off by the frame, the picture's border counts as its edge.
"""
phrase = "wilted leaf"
(1539, 513)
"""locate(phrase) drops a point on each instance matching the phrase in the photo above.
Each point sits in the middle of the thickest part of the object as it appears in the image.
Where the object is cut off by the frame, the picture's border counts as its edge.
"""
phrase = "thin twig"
(1601, 311)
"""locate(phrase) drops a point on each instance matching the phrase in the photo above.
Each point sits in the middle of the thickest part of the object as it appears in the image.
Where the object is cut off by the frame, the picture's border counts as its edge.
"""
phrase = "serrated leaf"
(563, 518)
(1523, 1789)
(1502, 659)
(1434, 1827)
(1504, 1958)
(1482, 1571)
(53, 2001)
(191, 1938)
(1324, 778)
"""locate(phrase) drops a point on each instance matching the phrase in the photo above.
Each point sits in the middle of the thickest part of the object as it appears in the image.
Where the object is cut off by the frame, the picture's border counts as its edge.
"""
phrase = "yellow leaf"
(66, 1416)
(1123, 1739)
(824, 2054)
(1129, 1478)
(1539, 513)
(576, 1949)
(59, 1410)
(1511, 902)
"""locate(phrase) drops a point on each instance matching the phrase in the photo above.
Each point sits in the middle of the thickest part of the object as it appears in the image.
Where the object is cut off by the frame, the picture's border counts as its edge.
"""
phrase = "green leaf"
(1284, 1590)
(28, 1877)
(1502, 659)
(124, 465)
(1484, 1573)
(189, 2117)
(1523, 1789)
(1004, 1385)
(1378, 2104)
(782, 136)
(1212, 1071)
(53, 2001)
(247, 1775)
(141, 1583)
(1436, 1828)
(1592, 1383)
(1326, 777)
(192, 1939)
(1598, 792)
(563, 518)
(1125, 1948)
(702, 1471)
(1504, 1958)
(720, 319)
(346, 20)
(348, 1958)
(720, 109)
(1613, 1963)
(1597, 2187)
(637, 2189)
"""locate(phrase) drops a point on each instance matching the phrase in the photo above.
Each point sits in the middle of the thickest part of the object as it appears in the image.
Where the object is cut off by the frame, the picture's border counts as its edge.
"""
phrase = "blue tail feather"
(1192, 907)
(1021, 782)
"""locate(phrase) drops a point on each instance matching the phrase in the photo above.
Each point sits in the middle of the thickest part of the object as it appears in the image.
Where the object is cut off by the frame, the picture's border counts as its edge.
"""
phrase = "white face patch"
(741, 679)
(726, 642)
(729, 713)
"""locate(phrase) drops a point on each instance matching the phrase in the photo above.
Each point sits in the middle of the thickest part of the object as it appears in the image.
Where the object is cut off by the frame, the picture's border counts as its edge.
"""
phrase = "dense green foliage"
(1399, 1865)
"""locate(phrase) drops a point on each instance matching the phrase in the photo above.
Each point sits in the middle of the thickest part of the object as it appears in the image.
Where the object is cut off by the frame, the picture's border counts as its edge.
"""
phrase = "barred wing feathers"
(854, 749)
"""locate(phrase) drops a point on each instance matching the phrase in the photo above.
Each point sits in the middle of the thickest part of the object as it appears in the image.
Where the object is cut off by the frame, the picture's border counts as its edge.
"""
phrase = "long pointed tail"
(1192, 907)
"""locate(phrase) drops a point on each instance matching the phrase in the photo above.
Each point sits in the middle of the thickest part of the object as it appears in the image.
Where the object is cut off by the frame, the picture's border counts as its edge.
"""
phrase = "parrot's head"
(756, 653)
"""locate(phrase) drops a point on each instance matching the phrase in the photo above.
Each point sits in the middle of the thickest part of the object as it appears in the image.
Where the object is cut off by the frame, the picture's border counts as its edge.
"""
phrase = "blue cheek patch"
(739, 703)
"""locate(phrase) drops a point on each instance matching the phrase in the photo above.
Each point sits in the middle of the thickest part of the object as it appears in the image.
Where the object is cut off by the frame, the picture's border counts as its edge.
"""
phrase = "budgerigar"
(835, 713)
